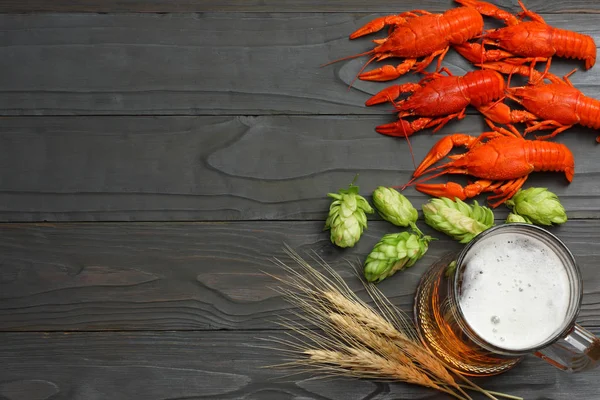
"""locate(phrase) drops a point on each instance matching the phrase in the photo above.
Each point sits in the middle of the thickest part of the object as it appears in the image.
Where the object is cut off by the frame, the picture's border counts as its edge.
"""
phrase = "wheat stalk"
(353, 338)
(366, 364)
(381, 332)
(364, 315)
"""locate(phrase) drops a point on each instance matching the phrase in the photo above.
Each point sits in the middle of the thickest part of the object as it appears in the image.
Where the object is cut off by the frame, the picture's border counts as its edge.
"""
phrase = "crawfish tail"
(483, 86)
(575, 45)
(588, 110)
(461, 24)
(550, 156)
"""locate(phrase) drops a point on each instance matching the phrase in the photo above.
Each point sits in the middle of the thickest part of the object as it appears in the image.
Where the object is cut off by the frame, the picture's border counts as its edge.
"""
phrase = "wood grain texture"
(119, 6)
(197, 64)
(198, 276)
(217, 365)
(227, 168)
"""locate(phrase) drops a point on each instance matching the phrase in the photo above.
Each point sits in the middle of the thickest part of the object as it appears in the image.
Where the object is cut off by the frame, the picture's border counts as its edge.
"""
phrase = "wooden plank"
(121, 6)
(183, 168)
(201, 64)
(218, 365)
(200, 276)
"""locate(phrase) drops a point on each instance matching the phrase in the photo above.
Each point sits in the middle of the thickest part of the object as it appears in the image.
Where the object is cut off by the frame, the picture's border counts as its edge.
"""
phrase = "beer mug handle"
(578, 351)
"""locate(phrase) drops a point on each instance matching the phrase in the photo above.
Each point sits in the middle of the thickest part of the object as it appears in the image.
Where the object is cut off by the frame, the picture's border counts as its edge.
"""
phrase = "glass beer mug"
(514, 290)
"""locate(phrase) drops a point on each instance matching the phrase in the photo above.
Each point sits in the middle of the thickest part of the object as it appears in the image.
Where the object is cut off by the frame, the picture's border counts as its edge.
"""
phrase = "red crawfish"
(557, 105)
(417, 34)
(501, 160)
(526, 41)
(437, 99)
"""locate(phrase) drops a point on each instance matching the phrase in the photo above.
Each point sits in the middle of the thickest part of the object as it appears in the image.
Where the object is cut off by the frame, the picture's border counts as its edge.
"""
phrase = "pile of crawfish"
(501, 159)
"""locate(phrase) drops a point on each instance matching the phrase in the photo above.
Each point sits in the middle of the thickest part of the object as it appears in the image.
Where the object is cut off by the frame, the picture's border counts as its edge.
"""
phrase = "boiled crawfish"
(526, 41)
(501, 159)
(556, 105)
(437, 99)
(416, 34)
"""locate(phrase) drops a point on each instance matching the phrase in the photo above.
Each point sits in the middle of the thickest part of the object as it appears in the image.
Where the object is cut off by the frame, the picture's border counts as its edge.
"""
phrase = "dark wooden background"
(155, 155)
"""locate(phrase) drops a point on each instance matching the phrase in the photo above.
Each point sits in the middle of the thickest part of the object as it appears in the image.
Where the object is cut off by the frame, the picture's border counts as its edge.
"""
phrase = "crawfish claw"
(451, 190)
(388, 72)
(402, 128)
(399, 128)
(441, 150)
(385, 73)
(500, 113)
(454, 190)
(392, 20)
(490, 10)
(378, 24)
(388, 94)
(475, 53)
(392, 93)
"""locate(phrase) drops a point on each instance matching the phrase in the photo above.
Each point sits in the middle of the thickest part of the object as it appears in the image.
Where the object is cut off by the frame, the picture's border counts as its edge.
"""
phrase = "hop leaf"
(347, 217)
(394, 207)
(458, 219)
(512, 217)
(539, 205)
(393, 253)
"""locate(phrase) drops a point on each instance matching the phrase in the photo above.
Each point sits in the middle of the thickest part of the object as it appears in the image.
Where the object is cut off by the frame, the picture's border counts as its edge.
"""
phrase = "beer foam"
(515, 291)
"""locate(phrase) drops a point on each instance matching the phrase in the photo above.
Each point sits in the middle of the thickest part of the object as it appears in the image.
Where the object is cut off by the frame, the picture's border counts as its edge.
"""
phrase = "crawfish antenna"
(416, 180)
(512, 71)
(361, 71)
(412, 154)
(494, 104)
(407, 184)
(347, 58)
(351, 57)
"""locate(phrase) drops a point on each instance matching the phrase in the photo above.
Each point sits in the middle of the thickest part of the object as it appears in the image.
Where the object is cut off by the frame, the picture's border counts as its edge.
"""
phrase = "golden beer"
(513, 290)
(439, 328)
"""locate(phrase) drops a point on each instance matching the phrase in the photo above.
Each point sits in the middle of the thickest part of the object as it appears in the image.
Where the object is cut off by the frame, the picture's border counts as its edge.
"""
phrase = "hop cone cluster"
(457, 219)
(394, 207)
(394, 252)
(538, 205)
(347, 216)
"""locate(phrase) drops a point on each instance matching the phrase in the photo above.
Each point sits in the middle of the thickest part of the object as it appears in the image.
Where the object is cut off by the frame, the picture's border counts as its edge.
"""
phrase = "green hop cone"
(539, 205)
(457, 219)
(394, 252)
(347, 217)
(394, 207)
(512, 217)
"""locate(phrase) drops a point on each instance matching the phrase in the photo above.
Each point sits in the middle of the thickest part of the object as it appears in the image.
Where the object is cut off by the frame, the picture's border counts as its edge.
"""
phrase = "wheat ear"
(353, 338)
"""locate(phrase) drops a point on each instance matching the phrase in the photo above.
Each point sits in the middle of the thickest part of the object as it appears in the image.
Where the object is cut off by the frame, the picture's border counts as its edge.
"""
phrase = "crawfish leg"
(566, 78)
(506, 191)
(388, 72)
(425, 63)
(440, 122)
(497, 55)
(499, 131)
(548, 124)
(516, 66)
